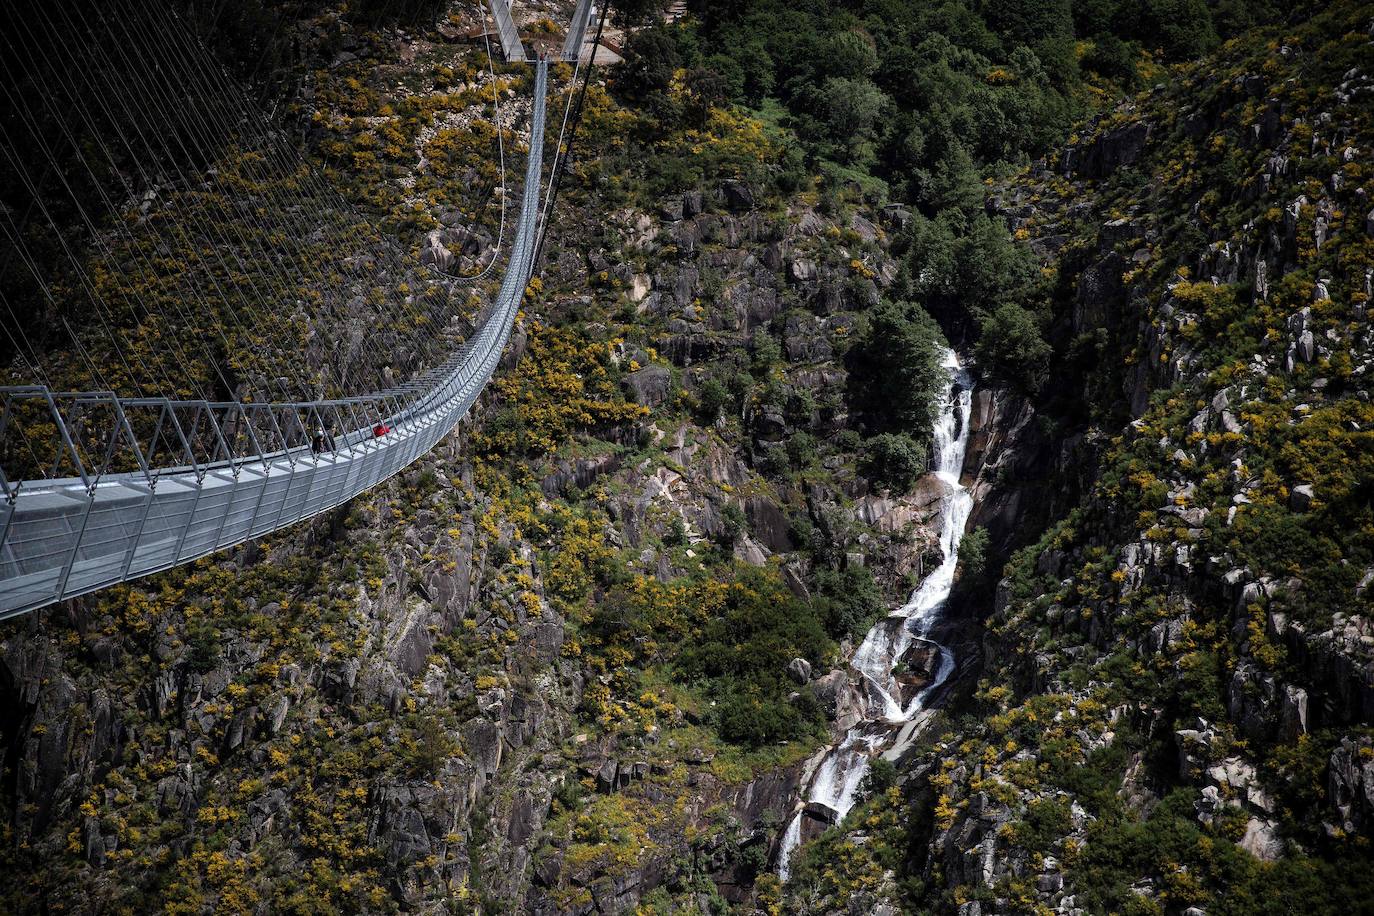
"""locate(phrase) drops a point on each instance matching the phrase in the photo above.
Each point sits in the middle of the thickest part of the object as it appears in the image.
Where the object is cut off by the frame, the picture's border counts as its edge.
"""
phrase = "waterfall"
(837, 779)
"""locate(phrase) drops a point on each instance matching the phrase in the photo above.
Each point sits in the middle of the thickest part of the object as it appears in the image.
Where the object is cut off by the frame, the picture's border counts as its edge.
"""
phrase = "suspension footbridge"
(128, 486)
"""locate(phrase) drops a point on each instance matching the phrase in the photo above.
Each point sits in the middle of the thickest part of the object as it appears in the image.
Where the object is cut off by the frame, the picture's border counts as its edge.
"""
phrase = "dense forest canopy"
(916, 104)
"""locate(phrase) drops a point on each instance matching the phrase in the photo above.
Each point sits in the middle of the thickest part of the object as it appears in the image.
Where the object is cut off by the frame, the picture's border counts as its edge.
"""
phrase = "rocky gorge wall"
(1173, 698)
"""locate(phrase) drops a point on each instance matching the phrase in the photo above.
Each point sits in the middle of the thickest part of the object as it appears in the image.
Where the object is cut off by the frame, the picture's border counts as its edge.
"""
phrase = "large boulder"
(1350, 783)
(841, 702)
(803, 270)
(1109, 151)
(435, 254)
(648, 386)
(737, 195)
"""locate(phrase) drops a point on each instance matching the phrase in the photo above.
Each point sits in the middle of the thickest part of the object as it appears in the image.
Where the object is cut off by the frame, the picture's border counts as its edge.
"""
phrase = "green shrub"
(712, 400)
(848, 600)
(894, 460)
(1011, 344)
(973, 553)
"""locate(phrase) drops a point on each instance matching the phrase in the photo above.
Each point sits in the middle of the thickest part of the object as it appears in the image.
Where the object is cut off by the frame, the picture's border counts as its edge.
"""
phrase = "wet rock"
(820, 812)
(839, 700)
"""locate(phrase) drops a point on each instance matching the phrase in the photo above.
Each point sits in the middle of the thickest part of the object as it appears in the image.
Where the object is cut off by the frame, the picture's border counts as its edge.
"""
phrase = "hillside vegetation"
(576, 659)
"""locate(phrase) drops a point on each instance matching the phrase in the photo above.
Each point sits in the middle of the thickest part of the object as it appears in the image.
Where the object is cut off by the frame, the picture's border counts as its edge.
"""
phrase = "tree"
(881, 776)
(756, 69)
(850, 56)
(731, 70)
(712, 399)
(894, 460)
(849, 110)
(765, 352)
(1026, 22)
(953, 183)
(651, 59)
(895, 371)
(732, 524)
(1113, 58)
(848, 600)
(1184, 27)
(706, 89)
(630, 13)
(1010, 343)
(742, 653)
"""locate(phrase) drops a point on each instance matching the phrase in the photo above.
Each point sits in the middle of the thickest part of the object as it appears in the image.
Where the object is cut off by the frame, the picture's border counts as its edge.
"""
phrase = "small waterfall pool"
(836, 781)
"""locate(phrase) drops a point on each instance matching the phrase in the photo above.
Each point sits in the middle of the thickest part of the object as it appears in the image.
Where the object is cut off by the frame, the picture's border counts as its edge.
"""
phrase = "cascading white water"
(837, 779)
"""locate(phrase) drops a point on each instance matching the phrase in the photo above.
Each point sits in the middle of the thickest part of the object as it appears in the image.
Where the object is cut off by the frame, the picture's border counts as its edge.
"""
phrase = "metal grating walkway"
(577, 34)
(511, 45)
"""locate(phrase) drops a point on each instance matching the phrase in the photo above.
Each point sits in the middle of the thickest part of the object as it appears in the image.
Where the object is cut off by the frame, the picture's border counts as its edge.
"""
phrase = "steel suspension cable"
(77, 97)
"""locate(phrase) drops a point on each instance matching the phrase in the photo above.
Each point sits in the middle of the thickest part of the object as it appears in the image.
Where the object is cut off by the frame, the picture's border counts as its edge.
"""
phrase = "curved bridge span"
(64, 537)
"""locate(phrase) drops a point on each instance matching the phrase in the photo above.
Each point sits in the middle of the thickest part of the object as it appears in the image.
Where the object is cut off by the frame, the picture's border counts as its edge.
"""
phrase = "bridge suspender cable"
(64, 537)
(561, 163)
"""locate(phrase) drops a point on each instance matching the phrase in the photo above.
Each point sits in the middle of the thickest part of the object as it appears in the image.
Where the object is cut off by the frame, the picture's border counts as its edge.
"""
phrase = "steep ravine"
(899, 667)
